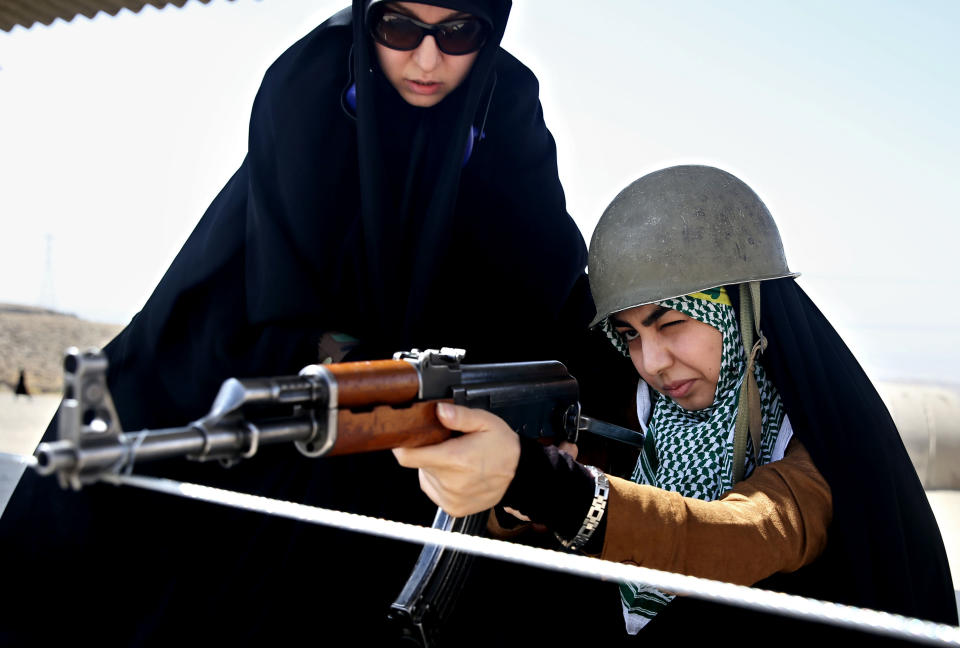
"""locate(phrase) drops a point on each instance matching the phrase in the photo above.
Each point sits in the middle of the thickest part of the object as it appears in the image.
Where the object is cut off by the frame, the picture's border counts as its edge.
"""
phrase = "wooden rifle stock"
(395, 420)
(387, 427)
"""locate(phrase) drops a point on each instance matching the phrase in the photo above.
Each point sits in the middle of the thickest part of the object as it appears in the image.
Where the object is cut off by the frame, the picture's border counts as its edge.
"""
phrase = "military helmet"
(677, 231)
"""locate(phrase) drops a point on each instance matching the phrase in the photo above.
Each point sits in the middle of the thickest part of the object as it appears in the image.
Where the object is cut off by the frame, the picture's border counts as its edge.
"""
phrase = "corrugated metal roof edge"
(45, 12)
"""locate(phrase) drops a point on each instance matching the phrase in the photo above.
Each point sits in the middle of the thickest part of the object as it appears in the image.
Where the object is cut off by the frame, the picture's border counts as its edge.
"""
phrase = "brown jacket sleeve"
(774, 521)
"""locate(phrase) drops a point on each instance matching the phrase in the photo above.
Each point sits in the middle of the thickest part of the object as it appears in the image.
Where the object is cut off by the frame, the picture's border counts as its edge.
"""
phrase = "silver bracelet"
(594, 514)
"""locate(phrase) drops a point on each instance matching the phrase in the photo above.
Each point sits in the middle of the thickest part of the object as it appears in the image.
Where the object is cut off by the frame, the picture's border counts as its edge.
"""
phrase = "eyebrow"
(647, 321)
(409, 14)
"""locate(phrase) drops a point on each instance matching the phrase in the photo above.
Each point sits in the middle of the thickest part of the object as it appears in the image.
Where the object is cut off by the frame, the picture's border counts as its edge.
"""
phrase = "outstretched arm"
(774, 521)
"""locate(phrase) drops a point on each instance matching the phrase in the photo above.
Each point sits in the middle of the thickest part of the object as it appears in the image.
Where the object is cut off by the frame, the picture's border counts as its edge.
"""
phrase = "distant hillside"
(34, 339)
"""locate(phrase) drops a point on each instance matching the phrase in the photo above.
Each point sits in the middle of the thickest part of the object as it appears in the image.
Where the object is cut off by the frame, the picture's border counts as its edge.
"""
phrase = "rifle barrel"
(222, 440)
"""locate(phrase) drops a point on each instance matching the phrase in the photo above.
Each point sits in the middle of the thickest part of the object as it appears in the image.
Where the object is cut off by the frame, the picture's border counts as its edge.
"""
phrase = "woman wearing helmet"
(808, 488)
(390, 150)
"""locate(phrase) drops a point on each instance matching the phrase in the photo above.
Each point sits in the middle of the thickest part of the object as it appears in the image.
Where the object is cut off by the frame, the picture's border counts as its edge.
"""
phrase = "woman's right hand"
(469, 473)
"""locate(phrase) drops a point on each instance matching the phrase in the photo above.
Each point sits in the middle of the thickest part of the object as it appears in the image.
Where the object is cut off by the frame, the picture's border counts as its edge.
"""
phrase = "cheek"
(391, 62)
(460, 67)
(713, 349)
(701, 349)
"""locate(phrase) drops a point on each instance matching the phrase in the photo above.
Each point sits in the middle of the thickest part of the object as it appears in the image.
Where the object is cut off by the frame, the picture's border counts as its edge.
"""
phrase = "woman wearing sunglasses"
(400, 190)
(821, 499)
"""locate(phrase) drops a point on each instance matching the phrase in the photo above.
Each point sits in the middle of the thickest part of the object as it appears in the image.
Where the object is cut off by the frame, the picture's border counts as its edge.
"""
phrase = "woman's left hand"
(469, 473)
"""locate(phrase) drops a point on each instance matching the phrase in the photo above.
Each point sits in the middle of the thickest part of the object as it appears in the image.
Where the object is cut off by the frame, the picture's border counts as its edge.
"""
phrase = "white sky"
(116, 133)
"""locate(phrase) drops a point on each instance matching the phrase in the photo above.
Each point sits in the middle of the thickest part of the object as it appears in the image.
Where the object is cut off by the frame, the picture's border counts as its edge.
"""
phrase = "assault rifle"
(330, 409)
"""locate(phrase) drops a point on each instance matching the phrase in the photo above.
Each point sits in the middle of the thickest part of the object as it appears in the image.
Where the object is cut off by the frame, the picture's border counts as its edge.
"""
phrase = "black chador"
(363, 221)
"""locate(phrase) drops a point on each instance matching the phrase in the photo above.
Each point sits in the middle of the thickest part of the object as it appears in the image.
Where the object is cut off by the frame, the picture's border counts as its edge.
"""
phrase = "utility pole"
(48, 297)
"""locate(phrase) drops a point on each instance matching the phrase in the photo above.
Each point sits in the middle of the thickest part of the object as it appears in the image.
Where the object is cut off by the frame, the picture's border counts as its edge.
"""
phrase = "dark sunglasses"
(400, 32)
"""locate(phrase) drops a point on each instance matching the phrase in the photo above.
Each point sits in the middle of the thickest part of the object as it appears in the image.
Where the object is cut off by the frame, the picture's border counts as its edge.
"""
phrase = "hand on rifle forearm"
(469, 473)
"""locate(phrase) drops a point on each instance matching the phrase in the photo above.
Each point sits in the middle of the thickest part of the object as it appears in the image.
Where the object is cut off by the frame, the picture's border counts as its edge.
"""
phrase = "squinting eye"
(666, 324)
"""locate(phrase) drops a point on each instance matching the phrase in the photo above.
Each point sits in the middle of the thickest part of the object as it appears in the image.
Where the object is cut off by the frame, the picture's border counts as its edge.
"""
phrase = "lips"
(423, 87)
(678, 389)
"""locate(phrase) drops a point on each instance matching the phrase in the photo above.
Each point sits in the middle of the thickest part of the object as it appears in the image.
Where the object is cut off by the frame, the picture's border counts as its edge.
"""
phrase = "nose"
(654, 357)
(427, 55)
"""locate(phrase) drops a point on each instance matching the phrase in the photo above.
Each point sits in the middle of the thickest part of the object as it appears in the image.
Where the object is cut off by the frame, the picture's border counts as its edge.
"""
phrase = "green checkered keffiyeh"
(691, 452)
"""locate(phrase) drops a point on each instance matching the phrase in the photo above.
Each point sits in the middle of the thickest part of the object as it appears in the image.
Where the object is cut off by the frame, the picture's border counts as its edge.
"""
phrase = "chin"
(422, 101)
(694, 404)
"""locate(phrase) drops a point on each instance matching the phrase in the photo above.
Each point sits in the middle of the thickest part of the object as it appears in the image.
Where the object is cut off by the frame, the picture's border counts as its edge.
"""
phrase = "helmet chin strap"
(748, 418)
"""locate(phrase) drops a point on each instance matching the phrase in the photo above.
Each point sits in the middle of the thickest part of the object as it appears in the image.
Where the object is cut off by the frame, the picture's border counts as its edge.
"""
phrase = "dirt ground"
(34, 339)
(23, 421)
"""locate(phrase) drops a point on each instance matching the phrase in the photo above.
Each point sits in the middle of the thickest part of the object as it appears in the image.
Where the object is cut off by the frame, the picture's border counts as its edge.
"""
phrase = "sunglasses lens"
(403, 33)
(461, 36)
(397, 32)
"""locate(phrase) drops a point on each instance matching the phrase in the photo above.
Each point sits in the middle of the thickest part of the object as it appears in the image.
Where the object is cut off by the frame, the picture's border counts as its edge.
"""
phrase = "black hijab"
(360, 222)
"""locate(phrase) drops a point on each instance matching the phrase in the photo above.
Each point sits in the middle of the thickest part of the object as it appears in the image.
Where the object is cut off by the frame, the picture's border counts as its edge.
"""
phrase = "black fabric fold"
(884, 547)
